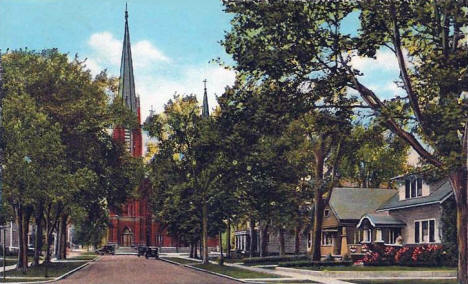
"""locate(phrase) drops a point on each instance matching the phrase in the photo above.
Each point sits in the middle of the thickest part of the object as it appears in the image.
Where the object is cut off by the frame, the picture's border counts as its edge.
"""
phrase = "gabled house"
(343, 213)
(409, 215)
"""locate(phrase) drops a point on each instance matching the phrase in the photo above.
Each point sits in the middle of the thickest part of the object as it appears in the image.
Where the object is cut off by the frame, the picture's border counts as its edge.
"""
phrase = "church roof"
(205, 108)
(127, 81)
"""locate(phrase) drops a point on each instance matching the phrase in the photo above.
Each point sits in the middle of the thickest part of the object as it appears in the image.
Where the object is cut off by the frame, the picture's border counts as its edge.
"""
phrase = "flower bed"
(421, 255)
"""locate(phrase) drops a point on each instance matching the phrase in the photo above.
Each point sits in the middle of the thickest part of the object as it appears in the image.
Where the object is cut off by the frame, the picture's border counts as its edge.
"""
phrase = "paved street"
(131, 269)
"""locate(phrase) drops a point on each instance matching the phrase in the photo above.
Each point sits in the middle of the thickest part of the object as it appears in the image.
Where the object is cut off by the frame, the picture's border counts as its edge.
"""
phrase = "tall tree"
(300, 40)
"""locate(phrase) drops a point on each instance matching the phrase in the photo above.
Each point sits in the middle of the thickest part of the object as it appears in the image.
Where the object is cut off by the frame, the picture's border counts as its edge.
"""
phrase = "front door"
(127, 238)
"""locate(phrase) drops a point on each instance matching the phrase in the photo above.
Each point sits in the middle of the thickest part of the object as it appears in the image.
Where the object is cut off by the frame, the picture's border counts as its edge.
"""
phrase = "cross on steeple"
(205, 108)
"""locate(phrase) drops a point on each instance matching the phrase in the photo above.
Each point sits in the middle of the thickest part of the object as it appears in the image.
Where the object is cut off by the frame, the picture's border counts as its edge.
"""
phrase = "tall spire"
(127, 81)
(205, 108)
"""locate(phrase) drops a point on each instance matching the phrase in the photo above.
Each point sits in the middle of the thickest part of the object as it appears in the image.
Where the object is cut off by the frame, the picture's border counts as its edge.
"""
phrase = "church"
(135, 225)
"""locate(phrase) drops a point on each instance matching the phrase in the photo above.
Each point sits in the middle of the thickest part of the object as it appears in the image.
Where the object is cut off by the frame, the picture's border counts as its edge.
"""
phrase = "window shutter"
(431, 231)
(416, 232)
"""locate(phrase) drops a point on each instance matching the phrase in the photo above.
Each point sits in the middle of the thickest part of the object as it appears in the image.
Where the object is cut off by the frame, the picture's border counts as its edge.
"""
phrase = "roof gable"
(353, 203)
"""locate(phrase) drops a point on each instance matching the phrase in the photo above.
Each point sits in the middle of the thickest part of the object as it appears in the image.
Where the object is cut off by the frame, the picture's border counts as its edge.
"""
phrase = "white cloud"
(107, 51)
(385, 60)
(156, 91)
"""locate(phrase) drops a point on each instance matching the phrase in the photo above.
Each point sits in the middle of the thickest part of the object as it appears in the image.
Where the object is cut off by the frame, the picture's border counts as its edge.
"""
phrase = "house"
(340, 234)
(409, 215)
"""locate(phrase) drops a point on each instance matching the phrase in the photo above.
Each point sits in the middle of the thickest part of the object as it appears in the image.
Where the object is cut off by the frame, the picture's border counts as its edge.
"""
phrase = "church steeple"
(205, 108)
(127, 81)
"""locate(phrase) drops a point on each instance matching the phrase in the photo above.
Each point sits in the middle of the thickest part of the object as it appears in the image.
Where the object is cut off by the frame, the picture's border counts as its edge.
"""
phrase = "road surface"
(132, 269)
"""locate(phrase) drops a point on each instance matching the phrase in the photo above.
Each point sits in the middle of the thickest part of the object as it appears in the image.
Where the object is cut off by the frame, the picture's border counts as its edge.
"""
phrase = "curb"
(217, 274)
(61, 276)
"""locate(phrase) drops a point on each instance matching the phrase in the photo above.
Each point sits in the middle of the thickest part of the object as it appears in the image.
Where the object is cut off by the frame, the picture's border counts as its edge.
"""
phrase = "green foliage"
(449, 232)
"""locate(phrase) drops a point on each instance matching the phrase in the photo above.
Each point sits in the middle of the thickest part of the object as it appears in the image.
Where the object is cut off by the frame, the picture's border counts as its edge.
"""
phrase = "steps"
(126, 251)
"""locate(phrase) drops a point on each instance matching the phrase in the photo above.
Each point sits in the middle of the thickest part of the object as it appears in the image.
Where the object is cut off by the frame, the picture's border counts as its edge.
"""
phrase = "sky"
(173, 42)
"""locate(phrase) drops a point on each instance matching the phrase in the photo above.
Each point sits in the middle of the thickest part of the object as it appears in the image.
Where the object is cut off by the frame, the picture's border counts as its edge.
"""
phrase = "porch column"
(344, 241)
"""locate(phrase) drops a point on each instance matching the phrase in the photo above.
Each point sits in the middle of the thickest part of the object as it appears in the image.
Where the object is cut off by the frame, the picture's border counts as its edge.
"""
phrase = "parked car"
(142, 250)
(107, 249)
(152, 252)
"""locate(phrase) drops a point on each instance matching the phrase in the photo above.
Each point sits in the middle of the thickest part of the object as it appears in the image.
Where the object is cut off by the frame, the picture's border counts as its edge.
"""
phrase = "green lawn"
(180, 260)
(377, 268)
(23, 280)
(83, 257)
(9, 261)
(410, 281)
(234, 271)
(55, 269)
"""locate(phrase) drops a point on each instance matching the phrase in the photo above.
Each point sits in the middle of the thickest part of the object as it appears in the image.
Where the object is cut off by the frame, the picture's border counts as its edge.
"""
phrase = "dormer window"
(413, 188)
(326, 213)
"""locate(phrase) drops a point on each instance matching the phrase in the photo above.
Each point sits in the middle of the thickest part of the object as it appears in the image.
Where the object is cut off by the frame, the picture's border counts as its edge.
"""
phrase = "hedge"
(274, 259)
(311, 263)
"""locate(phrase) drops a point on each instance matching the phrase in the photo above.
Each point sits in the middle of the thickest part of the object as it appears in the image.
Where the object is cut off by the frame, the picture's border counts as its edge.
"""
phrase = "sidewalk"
(287, 275)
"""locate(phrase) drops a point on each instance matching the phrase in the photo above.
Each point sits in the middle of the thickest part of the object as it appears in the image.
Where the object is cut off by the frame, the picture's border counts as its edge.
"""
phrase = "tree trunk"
(191, 250)
(205, 232)
(221, 256)
(263, 234)
(252, 238)
(459, 182)
(48, 244)
(25, 224)
(228, 239)
(62, 231)
(297, 240)
(19, 218)
(282, 251)
(38, 239)
(195, 249)
(317, 227)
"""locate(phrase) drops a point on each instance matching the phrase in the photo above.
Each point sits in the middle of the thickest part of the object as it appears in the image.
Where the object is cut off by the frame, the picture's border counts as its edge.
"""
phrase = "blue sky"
(172, 42)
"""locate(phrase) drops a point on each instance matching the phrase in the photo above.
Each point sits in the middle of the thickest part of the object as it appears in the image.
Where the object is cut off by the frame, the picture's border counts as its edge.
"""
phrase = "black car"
(107, 249)
(142, 250)
(152, 252)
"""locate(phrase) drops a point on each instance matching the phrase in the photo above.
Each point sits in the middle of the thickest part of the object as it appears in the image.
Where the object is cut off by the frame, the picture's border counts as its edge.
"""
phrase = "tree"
(373, 156)
(62, 118)
(298, 41)
(186, 170)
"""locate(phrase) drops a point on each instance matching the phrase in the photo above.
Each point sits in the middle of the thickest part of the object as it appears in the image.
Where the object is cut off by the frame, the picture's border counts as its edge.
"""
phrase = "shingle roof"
(352, 203)
(437, 196)
(379, 220)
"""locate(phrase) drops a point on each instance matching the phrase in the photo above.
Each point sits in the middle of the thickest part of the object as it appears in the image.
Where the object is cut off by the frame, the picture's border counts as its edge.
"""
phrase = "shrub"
(329, 257)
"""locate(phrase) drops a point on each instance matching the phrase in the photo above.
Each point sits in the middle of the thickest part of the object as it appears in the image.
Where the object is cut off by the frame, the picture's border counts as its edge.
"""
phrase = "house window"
(326, 213)
(413, 188)
(327, 239)
(424, 231)
(393, 235)
(367, 236)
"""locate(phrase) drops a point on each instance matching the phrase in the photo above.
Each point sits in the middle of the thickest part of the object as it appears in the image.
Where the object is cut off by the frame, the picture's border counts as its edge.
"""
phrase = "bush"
(274, 259)
(379, 254)
(312, 263)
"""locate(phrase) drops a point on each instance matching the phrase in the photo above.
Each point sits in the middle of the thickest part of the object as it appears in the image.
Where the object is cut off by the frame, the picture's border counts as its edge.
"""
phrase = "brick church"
(135, 225)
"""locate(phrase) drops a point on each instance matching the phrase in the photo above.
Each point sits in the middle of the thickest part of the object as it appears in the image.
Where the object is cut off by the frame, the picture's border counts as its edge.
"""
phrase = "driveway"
(133, 269)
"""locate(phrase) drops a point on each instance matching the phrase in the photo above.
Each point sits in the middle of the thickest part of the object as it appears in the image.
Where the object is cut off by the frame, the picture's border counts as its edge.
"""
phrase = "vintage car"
(142, 250)
(107, 249)
(152, 252)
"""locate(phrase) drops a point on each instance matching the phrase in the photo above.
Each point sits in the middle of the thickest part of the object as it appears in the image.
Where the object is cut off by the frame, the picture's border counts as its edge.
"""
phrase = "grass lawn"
(234, 271)
(377, 268)
(409, 281)
(23, 280)
(55, 269)
(180, 260)
(83, 257)
(9, 261)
